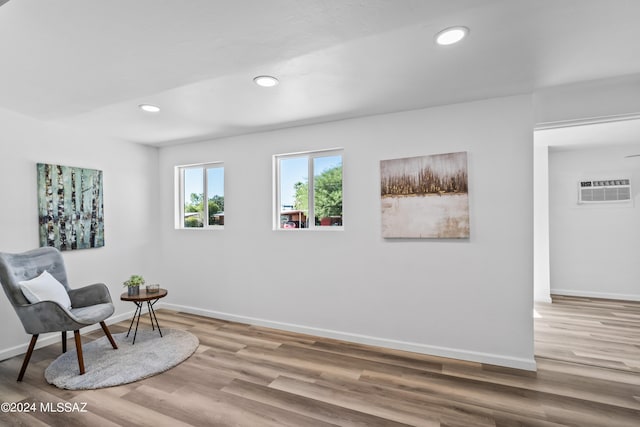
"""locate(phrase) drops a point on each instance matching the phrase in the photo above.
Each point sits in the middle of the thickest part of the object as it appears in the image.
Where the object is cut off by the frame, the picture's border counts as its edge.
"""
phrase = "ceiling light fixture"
(266, 81)
(149, 108)
(451, 35)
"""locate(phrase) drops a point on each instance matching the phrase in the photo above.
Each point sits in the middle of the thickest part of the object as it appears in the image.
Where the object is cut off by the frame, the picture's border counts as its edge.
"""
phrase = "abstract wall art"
(425, 197)
(70, 207)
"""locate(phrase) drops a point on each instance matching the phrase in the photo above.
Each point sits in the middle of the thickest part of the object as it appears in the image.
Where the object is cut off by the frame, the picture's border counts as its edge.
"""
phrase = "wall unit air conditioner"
(604, 191)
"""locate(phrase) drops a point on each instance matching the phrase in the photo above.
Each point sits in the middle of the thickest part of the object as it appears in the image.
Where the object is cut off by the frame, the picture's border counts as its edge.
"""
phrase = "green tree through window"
(203, 194)
(300, 206)
(328, 193)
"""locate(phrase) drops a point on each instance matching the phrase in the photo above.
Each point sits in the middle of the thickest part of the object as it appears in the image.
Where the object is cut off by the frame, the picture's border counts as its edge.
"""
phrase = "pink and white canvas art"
(425, 197)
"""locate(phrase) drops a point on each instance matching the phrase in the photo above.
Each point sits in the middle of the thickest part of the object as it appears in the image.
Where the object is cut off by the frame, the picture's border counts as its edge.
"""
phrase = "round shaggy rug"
(106, 367)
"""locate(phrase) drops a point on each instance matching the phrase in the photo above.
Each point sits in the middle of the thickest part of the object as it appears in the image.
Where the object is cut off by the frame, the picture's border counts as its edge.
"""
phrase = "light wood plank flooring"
(243, 375)
(594, 332)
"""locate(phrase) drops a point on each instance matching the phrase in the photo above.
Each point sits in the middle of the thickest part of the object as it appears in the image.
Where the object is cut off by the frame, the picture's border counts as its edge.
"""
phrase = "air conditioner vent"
(604, 191)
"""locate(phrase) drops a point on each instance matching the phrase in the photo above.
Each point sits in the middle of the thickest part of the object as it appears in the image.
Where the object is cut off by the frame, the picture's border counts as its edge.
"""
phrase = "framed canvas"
(425, 197)
(70, 208)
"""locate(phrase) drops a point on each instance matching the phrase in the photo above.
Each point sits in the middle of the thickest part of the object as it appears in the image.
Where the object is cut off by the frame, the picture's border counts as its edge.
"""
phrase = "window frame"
(310, 155)
(180, 194)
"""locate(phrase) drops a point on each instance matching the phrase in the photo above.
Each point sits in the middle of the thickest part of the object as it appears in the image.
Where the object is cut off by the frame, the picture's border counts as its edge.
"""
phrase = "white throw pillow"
(45, 287)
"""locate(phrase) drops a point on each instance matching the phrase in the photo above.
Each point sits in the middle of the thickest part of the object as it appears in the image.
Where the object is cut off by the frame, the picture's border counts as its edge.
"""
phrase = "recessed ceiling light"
(265, 81)
(451, 35)
(149, 108)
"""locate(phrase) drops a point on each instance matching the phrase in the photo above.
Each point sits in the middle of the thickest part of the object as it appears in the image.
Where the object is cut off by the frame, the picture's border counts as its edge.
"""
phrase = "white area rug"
(106, 367)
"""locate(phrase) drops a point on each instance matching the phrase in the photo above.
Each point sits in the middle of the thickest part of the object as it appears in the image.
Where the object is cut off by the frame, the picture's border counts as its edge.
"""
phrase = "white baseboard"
(53, 337)
(492, 359)
(589, 294)
(546, 298)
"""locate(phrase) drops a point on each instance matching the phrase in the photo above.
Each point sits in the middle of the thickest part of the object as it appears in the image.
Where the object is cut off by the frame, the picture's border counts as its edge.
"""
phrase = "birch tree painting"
(425, 197)
(70, 207)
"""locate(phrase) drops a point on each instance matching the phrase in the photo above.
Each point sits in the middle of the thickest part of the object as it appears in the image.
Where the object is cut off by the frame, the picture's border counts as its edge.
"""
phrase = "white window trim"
(179, 191)
(276, 189)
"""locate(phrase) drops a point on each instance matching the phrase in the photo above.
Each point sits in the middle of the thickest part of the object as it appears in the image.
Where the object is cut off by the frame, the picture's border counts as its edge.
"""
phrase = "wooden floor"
(603, 333)
(252, 376)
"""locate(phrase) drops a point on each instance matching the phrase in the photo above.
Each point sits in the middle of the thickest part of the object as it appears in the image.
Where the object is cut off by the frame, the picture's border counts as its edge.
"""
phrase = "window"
(201, 196)
(304, 203)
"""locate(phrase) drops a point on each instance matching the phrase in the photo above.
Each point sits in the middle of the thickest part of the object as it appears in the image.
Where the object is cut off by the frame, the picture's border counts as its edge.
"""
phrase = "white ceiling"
(89, 63)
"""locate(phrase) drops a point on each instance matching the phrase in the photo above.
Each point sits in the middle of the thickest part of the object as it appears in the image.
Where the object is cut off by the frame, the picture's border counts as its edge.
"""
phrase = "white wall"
(541, 275)
(466, 299)
(587, 100)
(130, 206)
(593, 249)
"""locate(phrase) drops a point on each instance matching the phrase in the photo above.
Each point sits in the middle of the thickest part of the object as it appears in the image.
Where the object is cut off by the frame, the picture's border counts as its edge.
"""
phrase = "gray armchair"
(89, 305)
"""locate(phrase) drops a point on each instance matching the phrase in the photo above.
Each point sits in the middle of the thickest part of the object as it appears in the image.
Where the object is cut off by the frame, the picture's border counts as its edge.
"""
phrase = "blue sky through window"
(193, 182)
(292, 170)
(215, 182)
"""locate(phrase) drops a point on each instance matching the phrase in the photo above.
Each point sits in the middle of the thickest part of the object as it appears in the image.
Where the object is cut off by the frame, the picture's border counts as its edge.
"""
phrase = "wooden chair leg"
(108, 334)
(27, 356)
(64, 341)
(76, 334)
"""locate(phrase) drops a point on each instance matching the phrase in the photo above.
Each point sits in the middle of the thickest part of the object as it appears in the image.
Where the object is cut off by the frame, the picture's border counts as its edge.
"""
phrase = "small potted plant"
(133, 284)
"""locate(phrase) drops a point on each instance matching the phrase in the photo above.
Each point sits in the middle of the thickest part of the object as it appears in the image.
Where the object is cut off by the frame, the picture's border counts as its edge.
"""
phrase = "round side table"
(150, 298)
